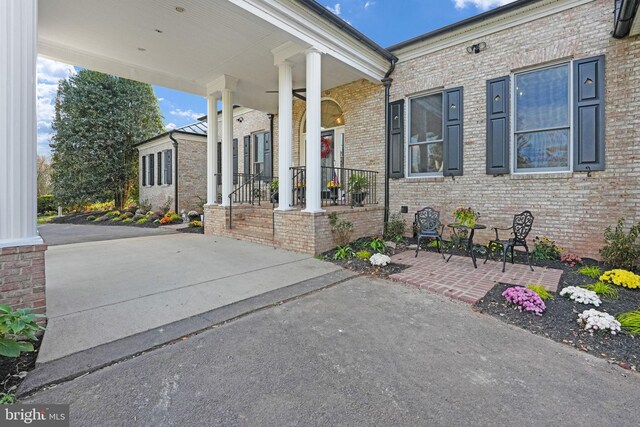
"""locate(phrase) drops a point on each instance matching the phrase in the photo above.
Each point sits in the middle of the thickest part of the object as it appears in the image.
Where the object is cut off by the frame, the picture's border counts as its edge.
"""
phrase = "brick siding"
(22, 277)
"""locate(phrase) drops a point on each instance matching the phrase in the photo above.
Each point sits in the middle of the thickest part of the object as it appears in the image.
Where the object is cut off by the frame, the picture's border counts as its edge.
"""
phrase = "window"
(258, 153)
(168, 166)
(426, 138)
(542, 120)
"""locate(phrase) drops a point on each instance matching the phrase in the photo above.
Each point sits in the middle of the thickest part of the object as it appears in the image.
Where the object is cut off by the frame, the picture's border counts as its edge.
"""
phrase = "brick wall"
(569, 207)
(192, 173)
(22, 277)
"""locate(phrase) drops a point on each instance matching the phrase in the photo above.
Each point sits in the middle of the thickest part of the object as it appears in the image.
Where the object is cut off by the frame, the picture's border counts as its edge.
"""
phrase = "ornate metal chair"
(428, 222)
(520, 230)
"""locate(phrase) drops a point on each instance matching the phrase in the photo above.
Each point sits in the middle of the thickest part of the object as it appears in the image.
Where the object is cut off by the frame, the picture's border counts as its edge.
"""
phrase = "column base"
(313, 211)
(22, 277)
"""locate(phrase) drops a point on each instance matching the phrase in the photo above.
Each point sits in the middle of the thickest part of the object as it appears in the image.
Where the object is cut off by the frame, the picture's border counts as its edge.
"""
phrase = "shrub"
(46, 203)
(175, 219)
(525, 300)
(127, 220)
(621, 249)
(137, 217)
(395, 228)
(195, 224)
(165, 220)
(102, 218)
(343, 252)
(91, 218)
(581, 295)
(541, 291)
(100, 206)
(571, 259)
(128, 214)
(124, 216)
(594, 320)
(590, 271)
(146, 205)
(142, 220)
(380, 260)
(603, 289)
(545, 249)
(113, 213)
(17, 328)
(116, 219)
(377, 245)
(341, 230)
(363, 255)
(630, 321)
(621, 278)
(7, 398)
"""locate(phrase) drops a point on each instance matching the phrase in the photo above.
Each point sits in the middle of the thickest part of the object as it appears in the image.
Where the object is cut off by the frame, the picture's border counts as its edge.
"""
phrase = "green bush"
(592, 271)
(545, 249)
(363, 255)
(603, 289)
(102, 218)
(46, 203)
(142, 220)
(341, 230)
(541, 291)
(630, 321)
(395, 228)
(127, 220)
(91, 218)
(195, 224)
(138, 217)
(17, 328)
(621, 249)
(113, 213)
(116, 219)
(343, 252)
(377, 245)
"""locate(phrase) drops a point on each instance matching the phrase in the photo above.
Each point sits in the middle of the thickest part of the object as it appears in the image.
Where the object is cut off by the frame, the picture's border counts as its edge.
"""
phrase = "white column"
(314, 74)
(227, 145)
(212, 149)
(18, 142)
(285, 132)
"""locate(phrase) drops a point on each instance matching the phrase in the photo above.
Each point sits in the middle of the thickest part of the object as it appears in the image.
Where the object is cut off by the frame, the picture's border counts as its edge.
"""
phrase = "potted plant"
(273, 187)
(334, 186)
(357, 186)
(466, 216)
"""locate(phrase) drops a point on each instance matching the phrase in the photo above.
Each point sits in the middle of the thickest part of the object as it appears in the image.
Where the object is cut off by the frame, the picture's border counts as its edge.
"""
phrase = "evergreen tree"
(98, 119)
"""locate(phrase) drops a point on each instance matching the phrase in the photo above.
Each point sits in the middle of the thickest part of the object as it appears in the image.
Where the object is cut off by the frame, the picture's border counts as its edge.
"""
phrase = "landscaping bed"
(364, 266)
(192, 230)
(14, 369)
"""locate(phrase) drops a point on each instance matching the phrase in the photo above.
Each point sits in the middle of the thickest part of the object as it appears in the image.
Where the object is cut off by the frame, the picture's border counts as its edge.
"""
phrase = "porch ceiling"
(209, 39)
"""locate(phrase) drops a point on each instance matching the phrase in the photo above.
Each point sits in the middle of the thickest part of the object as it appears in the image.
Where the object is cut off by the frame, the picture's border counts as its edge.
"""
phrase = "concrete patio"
(100, 292)
(458, 279)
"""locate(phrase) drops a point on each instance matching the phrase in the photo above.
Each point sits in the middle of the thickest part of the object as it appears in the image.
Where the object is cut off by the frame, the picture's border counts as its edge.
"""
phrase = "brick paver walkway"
(458, 279)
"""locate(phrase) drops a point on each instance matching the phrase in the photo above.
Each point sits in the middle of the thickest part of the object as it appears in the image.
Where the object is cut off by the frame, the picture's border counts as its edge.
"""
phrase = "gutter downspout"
(386, 81)
(271, 116)
(624, 13)
(175, 179)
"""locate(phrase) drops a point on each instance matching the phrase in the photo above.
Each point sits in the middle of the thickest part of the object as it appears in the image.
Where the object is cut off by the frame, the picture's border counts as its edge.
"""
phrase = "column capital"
(313, 50)
(215, 87)
(285, 51)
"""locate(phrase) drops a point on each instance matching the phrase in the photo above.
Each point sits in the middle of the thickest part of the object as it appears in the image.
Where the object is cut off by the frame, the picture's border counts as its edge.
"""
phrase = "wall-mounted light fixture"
(477, 48)
(240, 119)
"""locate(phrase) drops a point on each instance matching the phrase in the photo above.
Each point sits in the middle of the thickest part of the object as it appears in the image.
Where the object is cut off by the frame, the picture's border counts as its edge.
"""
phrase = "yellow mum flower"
(621, 278)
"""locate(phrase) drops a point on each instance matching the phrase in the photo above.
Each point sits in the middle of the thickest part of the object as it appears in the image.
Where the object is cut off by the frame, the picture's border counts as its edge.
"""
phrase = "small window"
(258, 155)
(426, 132)
(542, 121)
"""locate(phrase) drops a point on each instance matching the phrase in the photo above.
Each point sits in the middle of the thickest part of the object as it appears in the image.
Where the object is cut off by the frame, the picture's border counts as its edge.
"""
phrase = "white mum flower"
(594, 320)
(380, 260)
(581, 295)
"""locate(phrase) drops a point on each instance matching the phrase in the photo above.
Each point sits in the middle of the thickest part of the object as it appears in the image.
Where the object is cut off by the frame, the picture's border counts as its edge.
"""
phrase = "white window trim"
(512, 115)
(407, 138)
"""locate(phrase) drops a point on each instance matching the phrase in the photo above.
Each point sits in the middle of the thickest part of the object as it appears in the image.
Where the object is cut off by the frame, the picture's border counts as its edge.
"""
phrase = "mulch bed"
(364, 266)
(560, 321)
(14, 369)
(193, 230)
(81, 218)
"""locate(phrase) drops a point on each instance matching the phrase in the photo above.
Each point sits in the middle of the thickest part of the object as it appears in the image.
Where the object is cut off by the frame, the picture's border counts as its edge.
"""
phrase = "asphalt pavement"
(364, 352)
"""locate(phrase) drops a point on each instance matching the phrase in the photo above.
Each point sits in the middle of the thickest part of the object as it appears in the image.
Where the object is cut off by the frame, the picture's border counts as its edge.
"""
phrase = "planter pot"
(274, 197)
(357, 199)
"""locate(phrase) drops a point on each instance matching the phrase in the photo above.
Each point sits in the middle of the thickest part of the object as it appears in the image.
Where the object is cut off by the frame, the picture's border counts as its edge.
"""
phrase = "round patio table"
(465, 242)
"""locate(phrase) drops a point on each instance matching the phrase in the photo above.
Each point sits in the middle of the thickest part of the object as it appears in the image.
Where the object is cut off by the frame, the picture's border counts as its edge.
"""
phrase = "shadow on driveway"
(65, 234)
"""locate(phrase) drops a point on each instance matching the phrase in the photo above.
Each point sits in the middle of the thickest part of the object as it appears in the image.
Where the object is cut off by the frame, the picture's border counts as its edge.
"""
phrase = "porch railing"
(338, 186)
(250, 189)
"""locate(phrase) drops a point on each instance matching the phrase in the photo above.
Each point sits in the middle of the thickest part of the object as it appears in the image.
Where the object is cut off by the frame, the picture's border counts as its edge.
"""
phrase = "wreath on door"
(326, 147)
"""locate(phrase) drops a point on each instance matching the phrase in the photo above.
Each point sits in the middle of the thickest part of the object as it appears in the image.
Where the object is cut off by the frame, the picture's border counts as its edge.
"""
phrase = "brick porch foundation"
(22, 277)
(458, 279)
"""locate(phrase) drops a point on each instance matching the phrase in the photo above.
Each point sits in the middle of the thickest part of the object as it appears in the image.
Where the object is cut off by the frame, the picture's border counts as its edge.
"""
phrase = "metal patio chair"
(428, 222)
(520, 229)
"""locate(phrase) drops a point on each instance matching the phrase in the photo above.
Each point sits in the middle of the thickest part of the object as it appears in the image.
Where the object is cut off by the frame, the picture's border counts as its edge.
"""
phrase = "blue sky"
(384, 21)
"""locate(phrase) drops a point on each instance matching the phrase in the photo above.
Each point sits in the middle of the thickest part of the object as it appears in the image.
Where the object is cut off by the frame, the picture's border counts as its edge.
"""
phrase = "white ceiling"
(209, 39)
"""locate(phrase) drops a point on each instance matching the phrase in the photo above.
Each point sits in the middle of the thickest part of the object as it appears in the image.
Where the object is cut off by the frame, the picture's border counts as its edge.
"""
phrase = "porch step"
(261, 236)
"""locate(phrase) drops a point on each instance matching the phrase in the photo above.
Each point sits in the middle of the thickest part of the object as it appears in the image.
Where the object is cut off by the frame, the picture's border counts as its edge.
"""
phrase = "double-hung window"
(426, 135)
(542, 119)
(258, 155)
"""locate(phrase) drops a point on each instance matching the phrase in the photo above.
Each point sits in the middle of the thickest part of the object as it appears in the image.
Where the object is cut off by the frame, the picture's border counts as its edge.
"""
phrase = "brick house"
(531, 105)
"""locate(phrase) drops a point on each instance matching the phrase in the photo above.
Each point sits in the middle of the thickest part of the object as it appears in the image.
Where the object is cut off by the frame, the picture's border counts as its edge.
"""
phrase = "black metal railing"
(250, 189)
(338, 186)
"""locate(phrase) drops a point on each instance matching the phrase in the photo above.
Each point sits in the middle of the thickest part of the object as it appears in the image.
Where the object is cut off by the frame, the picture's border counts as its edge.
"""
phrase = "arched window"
(331, 116)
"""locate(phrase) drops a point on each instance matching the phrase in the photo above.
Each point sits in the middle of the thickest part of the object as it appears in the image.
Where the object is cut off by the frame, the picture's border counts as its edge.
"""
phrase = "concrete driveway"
(100, 292)
(362, 353)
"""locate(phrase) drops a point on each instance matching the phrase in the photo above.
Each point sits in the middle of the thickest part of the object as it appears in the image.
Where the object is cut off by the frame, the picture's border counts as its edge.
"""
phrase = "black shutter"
(267, 156)
(219, 171)
(453, 147)
(246, 144)
(235, 161)
(144, 170)
(169, 164)
(588, 114)
(159, 168)
(151, 169)
(498, 103)
(396, 139)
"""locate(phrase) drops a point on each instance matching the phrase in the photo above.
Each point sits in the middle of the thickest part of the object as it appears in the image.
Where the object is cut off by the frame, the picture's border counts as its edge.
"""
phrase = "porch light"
(477, 48)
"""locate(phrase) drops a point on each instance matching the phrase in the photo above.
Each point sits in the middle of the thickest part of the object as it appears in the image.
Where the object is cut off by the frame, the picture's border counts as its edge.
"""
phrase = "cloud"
(170, 126)
(480, 4)
(368, 4)
(335, 9)
(186, 113)
(49, 73)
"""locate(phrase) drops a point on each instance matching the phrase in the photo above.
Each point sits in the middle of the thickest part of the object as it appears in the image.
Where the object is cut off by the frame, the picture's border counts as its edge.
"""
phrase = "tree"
(44, 176)
(98, 119)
